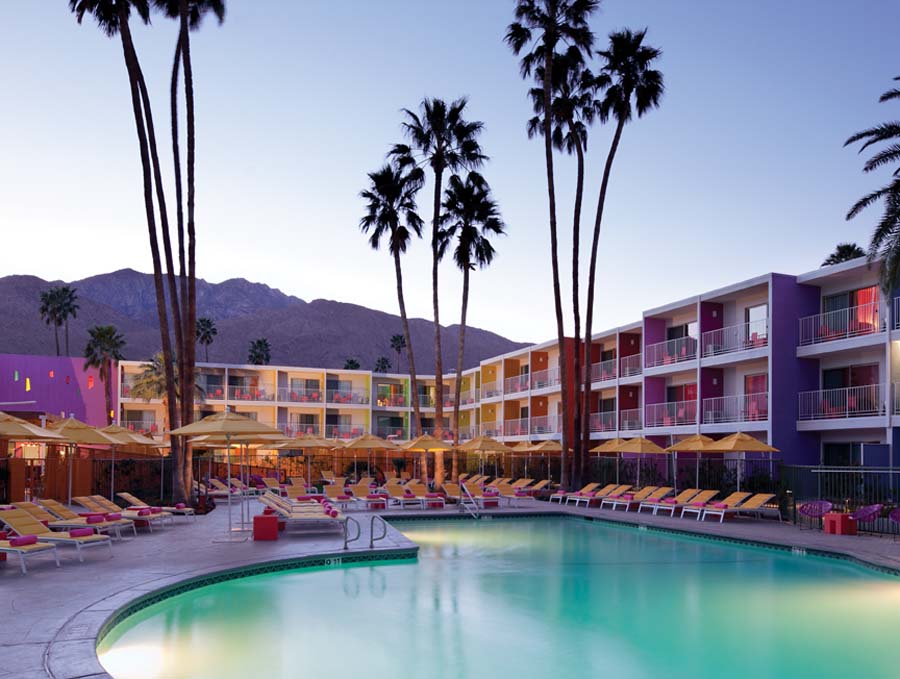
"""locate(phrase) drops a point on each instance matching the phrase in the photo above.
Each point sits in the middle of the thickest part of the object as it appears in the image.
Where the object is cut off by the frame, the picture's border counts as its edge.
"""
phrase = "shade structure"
(80, 432)
(6, 417)
(427, 444)
(739, 443)
(226, 423)
(485, 444)
(692, 444)
(20, 430)
(307, 441)
(546, 447)
(367, 442)
(522, 447)
(640, 445)
(609, 446)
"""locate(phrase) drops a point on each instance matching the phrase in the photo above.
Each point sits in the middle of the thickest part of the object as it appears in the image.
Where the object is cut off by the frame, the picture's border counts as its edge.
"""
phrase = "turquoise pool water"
(529, 598)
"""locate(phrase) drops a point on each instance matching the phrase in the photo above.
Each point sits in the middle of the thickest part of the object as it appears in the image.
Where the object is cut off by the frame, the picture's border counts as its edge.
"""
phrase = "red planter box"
(265, 527)
(837, 523)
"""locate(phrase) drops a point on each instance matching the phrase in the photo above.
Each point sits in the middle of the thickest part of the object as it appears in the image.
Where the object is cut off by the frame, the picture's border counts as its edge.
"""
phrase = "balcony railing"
(603, 371)
(515, 385)
(214, 391)
(545, 378)
(347, 396)
(738, 408)
(518, 427)
(896, 313)
(492, 429)
(467, 397)
(630, 366)
(896, 390)
(250, 392)
(344, 431)
(546, 424)
(467, 433)
(829, 404)
(298, 428)
(603, 421)
(426, 401)
(752, 335)
(393, 433)
(673, 414)
(299, 395)
(391, 401)
(630, 420)
(864, 319)
(490, 389)
(148, 426)
(670, 351)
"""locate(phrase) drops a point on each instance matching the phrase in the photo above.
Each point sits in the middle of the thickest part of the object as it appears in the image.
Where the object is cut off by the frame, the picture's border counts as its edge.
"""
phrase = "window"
(842, 454)
(607, 405)
(756, 320)
(523, 413)
(756, 384)
(608, 355)
(681, 392)
(859, 307)
(850, 376)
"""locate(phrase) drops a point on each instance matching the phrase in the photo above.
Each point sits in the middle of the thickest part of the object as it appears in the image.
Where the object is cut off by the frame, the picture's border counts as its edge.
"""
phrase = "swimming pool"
(529, 598)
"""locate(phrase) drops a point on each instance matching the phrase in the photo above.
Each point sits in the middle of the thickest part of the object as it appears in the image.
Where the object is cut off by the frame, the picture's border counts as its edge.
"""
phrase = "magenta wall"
(629, 344)
(707, 388)
(654, 331)
(654, 390)
(58, 386)
(710, 316)
(629, 397)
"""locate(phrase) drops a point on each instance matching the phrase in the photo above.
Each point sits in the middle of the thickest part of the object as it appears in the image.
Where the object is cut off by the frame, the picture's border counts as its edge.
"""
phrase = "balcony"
(603, 421)
(518, 427)
(670, 351)
(673, 414)
(752, 335)
(547, 424)
(515, 385)
(148, 426)
(630, 420)
(392, 433)
(446, 433)
(603, 371)
(739, 408)
(210, 391)
(490, 389)
(629, 366)
(391, 401)
(426, 401)
(251, 392)
(347, 396)
(299, 395)
(344, 431)
(467, 397)
(856, 321)
(896, 313)
(493, 429)
(544, 378)
(848, 402)
(467, 433)
(298, 428)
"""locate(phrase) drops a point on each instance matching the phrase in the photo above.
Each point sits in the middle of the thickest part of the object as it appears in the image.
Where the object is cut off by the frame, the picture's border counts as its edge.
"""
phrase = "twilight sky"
(740, 172)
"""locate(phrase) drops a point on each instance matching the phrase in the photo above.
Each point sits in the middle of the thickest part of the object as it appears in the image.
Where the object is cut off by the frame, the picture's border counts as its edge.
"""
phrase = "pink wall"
(711, 315)
(711, 383)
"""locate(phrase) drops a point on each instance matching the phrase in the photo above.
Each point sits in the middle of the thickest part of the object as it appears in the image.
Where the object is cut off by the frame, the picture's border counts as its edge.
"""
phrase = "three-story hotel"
(808, 363)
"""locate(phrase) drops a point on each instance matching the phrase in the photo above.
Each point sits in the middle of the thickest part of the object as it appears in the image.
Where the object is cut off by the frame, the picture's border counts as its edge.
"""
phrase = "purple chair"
(866, 514)
(815, 510)
(894, 516)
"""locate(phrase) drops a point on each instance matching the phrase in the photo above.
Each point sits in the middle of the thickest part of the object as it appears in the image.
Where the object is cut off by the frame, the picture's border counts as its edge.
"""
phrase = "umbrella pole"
(228, 474)
(71, 455)
(697, 463)
(112, 476)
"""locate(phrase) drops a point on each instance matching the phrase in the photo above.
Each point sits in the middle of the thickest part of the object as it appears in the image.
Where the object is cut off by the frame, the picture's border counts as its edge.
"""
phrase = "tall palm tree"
(398, 344)
(351, 364)
(206, 332)
(885, 242)
(391, 215)
(439, 136)
(260, 352)
(150, 385)
(105, 345)
(382, 365)
(632, 87)
(50, 310)
(844, 252)
(68, 308)
(540, 26)
(112, 16)
(472, 218)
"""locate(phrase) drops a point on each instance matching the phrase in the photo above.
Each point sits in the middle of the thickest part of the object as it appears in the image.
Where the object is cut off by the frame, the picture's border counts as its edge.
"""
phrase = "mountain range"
(321, 333)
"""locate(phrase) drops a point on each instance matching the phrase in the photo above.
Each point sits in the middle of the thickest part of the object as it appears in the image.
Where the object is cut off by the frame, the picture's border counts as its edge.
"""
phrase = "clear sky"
(740, 172)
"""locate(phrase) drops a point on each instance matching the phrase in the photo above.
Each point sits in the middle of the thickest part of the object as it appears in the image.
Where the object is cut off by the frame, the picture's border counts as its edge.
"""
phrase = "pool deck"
(52, 617)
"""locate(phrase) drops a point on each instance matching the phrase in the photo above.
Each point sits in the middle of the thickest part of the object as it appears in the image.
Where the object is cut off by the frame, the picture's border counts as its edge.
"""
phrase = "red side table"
(265, 527)
(3, 537)
(839, 523)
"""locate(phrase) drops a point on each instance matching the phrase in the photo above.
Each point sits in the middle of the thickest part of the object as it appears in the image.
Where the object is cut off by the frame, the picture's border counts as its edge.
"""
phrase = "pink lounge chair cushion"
(116, 516)
(304, 498)
(81, 532)
(24, 540)
(343, 497)
(180, 505)
(521, 493)
(698, 504)
(628, 496)
(669, 501)
(373, 496)
(156, 510)
(144, 512)
(260, 486)
(614, 497)
(333, 513)
(720, 505)
(432, 495)
(95, 519)
(562, 492)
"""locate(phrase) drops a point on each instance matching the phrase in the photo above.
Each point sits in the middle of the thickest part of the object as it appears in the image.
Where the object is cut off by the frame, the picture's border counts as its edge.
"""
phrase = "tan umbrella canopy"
(607, 446)
(546, 447)
(20, 430)
(227, 424)
(522, 447)
(367, 442)
(424, 444)
(692, 444)
(307, 441)
(739, 443)
(82, 433)
(6, 417)
(641, 445)
(485, 444)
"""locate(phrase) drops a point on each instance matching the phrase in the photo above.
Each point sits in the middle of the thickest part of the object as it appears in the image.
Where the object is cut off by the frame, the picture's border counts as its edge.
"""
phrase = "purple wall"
(654, 390)
(711, 314)
(654, 331)
(58, 386)
(707, 388)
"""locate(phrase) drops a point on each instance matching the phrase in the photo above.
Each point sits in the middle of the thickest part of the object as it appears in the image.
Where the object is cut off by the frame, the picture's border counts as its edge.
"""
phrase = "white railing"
(446, 433)
(630, 420)
(670, 351)
(829, 404)
(347, 396)
(841, 324)
(603, 371)
(210, 392)
(896, 313)
(603, 421)
(426, 401)
(738, 408)
(299, 395)
(896, 390)
(467, 433)
(492, 429)
(545, 424)
(344, 431)
(251, 392)
(392, 433)
(467, 397)
(515, 385)
(752, 335)
(545, 378)
(518, 427)
(298, 428)
(387, 400)
(674, 414)
(630, 365)
(147, 426)
(490, 389)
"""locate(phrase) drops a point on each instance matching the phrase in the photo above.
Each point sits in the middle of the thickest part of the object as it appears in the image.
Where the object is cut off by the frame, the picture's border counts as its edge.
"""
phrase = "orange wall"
(539, 360)
(538, 406)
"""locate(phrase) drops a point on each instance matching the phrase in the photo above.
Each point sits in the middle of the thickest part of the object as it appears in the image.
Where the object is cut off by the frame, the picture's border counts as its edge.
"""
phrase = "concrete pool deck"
(52, 617)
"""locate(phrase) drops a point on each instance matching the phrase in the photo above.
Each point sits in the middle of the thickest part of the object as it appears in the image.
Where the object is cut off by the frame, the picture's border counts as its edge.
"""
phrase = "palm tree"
(398, 344)
(103, 348)
(206, 332)
(260, 352)
(539, 27)
(382, 365)
(885, 242)
(391, 215)
(351, 364)
(51, 312)
(471, 217)
(68, 307)
(112, 16)
(844, 252)
(632, 86)
(150, 384)
(440, 137)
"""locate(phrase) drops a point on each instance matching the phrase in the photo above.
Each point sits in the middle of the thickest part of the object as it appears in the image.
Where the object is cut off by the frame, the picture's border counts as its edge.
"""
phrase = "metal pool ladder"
(463, 505)
(347, 538)
(372, 538)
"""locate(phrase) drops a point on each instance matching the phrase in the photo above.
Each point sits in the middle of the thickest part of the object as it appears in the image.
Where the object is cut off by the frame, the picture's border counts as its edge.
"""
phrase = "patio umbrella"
(484, 445)
(552, 447)
(80, 432)
(16, 429)
(520, 448)
(227, 425)
(610, 448)
(691, 444)
(741, 443)
(305, 442)
(424, 444)
(123, 435)
(640, 446)
(368, 442)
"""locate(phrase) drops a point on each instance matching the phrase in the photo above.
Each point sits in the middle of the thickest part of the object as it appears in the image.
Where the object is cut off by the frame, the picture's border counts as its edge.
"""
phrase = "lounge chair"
(521, 483)
(561, 495)
(455, 492)
(309, 516)
(605, 492)
(462, 478)
(500, 479)
(64, 514)
(682, 498)
(243, 487)
(162, 515)
(753, 505)
(514, 495)
(481, 498)
(220, 490)
(137, 503)
(625, 499)
(539, 486)
(399, 496)
(658, 494)
(698, 508)
(25, 549)
(337, 495)
(22, 523)
(700, 498)
(273, 486)
(74, 521)
(429, 499)
(148, 517)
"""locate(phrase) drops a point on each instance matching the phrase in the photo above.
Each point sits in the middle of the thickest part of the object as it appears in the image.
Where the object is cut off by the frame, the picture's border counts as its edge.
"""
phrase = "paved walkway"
(51, 617)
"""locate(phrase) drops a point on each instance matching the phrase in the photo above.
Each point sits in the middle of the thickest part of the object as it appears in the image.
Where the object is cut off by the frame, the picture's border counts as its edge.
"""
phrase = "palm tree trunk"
(589, 312)
(417, 416)
(554, 261)
(580, 412)
(67, 337)
(133, 68)
(107, 397)
(56, 336)
(206, 347)
(438, 358)
(454, 471)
